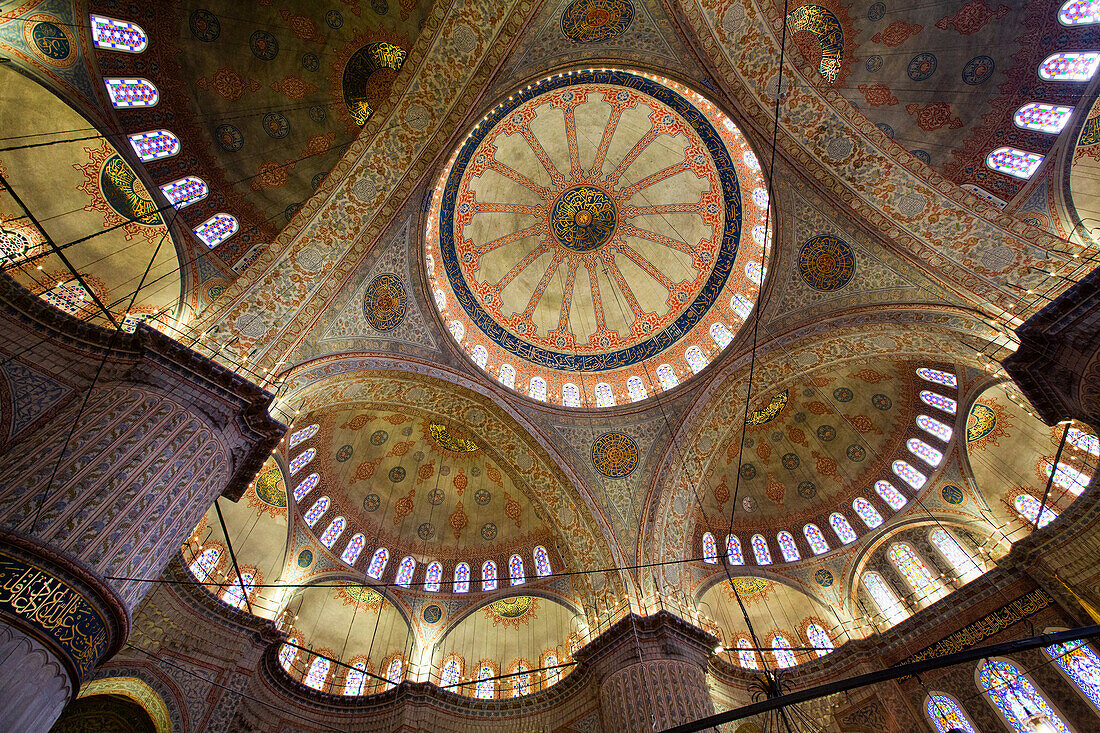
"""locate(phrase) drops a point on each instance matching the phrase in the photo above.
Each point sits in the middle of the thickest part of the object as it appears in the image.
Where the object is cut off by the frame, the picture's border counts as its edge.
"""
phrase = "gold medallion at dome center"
(583, 218)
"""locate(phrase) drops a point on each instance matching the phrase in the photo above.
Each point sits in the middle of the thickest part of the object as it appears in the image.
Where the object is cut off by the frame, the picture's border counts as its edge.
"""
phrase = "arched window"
(754, 272)
(432, 577)
(843, 530)
(710, 551)
(761, 235)
(917, 575)
(1014, 162)
(309, 483)
(636, 389)
(452, 671)
(318, 673)
(666, 377)
(1069, 478)
(605, 396)
(287, 653)
(550, 663)
(741, 305)
(205, 563)
(1077, 12)
(125, 93)
(984, 195)
(867, 512)
(760, 550)
(947, 379)
(1042, 117)
(393, 673)
(720, 334)
(485, 682)
(935, 428)
(536, 389)
(781, 650)
(938, 401)
(1084, 441)
(951, 551)
(1028, 507)
(889, 494)
(241, 588)
(925, 452)
(1071, 66)
(507, 376)
(1011, 692)
(458, 331)
(301, 460)
(351, 552)
(542, 561)
(819, 639)
(69, 297)
(217, 229)
(154, 145)
(733, 550)
(745, 654)
(787, 546)
(489, 575)
(462, 578)
(884, 597)
(695, 359)
(185, 191)
(405, 572)
(378, 563)
(515, 570)
(521, 683)
(335, 529)
(570, 395)
(760, 197)
(909, 475)
(816, 539)
(1078, 662)
(356, 679)
(946, 714)
(440, 299)
(118, 35)
(481, 356)
(304, 434)
(316, 511)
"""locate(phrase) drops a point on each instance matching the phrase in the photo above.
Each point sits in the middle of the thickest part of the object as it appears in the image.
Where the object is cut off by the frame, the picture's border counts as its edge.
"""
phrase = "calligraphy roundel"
(615, 455)
(826, 263)
(51, 39)
(595, 21)
(384, 302)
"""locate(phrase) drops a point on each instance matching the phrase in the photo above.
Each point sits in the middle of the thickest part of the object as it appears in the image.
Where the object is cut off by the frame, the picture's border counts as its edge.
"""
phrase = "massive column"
(112, 446)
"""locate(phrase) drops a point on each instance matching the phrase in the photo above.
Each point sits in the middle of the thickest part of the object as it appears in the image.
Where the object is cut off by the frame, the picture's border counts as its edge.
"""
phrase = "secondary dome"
(598, 237)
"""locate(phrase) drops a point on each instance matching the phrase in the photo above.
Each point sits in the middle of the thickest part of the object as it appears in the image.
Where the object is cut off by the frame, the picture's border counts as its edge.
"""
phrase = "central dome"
(585, 242)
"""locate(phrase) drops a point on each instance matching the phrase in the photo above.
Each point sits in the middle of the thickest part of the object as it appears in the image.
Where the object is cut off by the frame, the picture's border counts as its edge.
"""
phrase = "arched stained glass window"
(635, 387)
(1012, 693)
(489, 575)
(1084, 441)
(760, 197)
(605, 396)
(889, 494)
(521, 683)
(301, 460)
(378, 563)
(542, 561)
(515, 570)
(819, 640)
(710, 550)
(720, 334)
(754, 271)
(935, 428)
(69, 297)
(334, 530)
(946, 404)
(304, 434)
(908, 474)
(843, 530)
(758, 235)
(917, 575)
(695, 359)
(485, 682)
(356, 679)
(393, 674)
(745, 654)
(733, 550)
(316, 511)
(481, 356)
(217, 229)
(954, 554)
(1081, 665)
(441, 300)
(947, 379)
(126, 93)
(760, 550)
(241, 587)
(351, 552)
(925, 452)
(816, 539)
(432, 577)
(883, 596)
(462, 578)
(536, 389)
(185, 191)
(458, 331)
(666, 377)
(118, 35)
(205, 563)
(741, 305)
(787, 546)
(781, 650)
(550, 662)
(1028, 507)
(507, 376)
(946, 714)
(309, 483)
(984, 195)
(287, 653)
(867, 512)
(1042, 117)
(570, 395)
(405, 572)
(318, 673)
(1069, 478)
(154, 145)
(452, 671)
(1072, 66)
(751, 160)
(1014, 162)
(1077, 12)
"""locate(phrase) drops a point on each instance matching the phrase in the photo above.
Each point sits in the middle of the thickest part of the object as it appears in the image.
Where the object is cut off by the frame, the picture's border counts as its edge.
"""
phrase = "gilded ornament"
(822, 23)
(614, 455)
(270, 488)
(980, 423)
(769, 413)
(596, 21)
(361, 81)
(441, 435)
(125, 194)
(826, 262)
(583, 218)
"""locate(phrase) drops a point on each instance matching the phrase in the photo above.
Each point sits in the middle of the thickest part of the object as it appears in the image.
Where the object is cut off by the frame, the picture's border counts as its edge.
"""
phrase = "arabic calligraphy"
(583, 218)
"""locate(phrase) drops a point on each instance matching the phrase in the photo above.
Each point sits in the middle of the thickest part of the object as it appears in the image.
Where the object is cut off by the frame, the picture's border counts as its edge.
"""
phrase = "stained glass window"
(69, 297)
(984, 195)
(334, 530)
(485, 682)
(481, 356)
(605, 397)
(635, 387)
(760, 550)
(917, 575)
(741, 305)
(542, 561)
(319, 507)
(745, 653)
(452, 670)
(883, 596)
(356, 679)
(239, 589)
(521, 683)
(1028, 507)
(781, 650)
(287, 653)
(787, 546)
(536, 389)
(754, 271)
(1081, 665)
(1084, 441)
(118, 35)
(946, 404)
(819, 640)
(925, 452)
(378, 563)
(1014, 162)
(816, 539)
(550, 662)
(1071, 66)
(462, 578)
(1078, 12)
(946, 714)
(666, 377)
(954, 554)
(301, 459)
(432, 577)
(758, 235)
(304, 434)
(515, 570)
(355, 546)
(205, 563)
(843, 530)
(733, 550)
(217, 229)
(867, 512)
(710, 550)
(458, 331)
(405, 572)
(132, 92)
(947, 379)
(889, 494)
(507, 375)
(393, 674)
(1013, 695)
(760, 197)
(695, 359)
(440, 299)
(154, 145)
(318, 673)
(720, 334)
(1069, 478)
(935, 428)
(908, 474)
(185, 191)
(570, 395)
(1042, 117)
(489, 575)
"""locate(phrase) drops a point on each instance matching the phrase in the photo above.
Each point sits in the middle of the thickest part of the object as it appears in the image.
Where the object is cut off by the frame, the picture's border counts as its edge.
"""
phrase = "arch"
(885, 598)
(378, 563)
(760, 550)
(1013, 695)
(1080, 665)
(353, 548)
(710, 550)
(867, 512)
(217, 229)
(333, 531)
(815, 539)
(489, 575)
(842, 528)
(432, 577)
(462, 578)
(154, 145)
(516, 573)
(309, 483)
(405, 570)
(787, 546)
(452, 671)
(542, 561)
(733, 550)
(946, 714)
(954, 554)
(819, 638)
(111, 34)
(912, 568)
(890, 495)
(137, 690)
